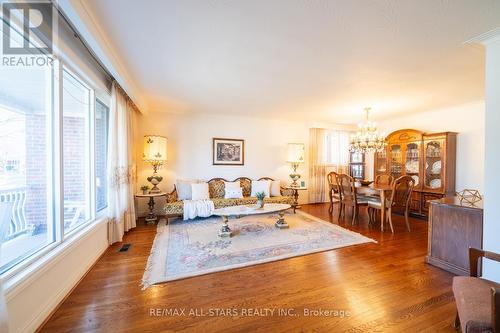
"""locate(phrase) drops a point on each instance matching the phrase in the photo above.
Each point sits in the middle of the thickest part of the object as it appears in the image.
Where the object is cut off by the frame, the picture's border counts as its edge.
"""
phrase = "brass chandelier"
(367, 138)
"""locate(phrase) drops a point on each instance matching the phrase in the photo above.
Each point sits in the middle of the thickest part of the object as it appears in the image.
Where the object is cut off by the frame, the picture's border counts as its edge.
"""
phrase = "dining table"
(382, 190)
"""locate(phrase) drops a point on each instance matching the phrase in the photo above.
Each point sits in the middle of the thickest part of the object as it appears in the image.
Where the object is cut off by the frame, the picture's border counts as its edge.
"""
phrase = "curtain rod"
(90, 51)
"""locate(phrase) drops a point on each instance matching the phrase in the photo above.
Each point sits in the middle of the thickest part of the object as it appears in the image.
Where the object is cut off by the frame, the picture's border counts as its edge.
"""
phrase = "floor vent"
(124, 248)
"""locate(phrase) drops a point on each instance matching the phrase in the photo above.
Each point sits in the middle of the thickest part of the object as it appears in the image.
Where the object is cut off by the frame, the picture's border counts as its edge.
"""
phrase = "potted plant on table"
(144, 189)
(260, 199)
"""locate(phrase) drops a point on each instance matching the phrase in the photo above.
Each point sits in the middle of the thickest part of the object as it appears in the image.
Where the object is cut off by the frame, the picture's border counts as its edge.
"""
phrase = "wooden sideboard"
(453, 228)
(429, 158)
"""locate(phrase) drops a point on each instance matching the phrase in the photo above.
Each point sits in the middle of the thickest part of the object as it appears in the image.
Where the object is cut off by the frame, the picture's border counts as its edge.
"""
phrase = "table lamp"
(296, 155)
(155, 152)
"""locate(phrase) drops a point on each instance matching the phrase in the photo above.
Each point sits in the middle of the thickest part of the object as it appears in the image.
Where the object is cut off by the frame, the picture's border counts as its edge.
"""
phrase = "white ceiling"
(318, 59)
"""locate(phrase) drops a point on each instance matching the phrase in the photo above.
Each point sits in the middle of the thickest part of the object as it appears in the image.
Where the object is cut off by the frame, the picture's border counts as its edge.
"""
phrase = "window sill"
(16, 280)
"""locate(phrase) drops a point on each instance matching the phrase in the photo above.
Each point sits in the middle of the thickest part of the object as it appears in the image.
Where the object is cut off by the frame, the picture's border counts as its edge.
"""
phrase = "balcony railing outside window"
(13, 216)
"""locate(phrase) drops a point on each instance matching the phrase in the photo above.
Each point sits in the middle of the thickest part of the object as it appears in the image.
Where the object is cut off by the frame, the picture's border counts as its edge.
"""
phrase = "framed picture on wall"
(228, 151)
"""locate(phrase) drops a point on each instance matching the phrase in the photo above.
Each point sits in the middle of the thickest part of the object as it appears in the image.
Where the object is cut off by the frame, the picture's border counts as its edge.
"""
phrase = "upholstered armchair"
(477, 299)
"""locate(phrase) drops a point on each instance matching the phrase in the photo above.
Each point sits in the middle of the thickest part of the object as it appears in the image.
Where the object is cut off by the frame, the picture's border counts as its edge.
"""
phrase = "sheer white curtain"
(337, 151)
(121, 165)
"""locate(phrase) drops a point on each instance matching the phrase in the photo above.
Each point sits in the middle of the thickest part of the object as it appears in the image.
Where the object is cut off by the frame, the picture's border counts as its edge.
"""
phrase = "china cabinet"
(428, 158)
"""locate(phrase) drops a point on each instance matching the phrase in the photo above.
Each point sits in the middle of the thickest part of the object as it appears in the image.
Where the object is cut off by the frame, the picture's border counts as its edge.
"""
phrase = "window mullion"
(92, 120)
(58, 153)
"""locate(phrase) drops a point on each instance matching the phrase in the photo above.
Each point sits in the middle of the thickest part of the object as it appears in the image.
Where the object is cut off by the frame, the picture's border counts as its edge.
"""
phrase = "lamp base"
(295, 177)
(155, 190)
(155, 180)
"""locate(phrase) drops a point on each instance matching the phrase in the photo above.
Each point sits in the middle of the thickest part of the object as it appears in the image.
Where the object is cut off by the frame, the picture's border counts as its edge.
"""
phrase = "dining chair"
(348, 196)
(477, 298)
(334, 192)
(384, 179)
(399, 201)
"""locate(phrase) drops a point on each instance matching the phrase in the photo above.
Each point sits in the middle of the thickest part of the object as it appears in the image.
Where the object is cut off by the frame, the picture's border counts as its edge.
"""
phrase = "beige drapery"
(317, 165)
(121, 165)
(328, 151)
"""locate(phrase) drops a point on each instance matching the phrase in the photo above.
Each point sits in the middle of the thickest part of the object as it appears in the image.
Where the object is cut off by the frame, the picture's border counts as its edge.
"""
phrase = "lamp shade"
(155, 148)
(296, 153)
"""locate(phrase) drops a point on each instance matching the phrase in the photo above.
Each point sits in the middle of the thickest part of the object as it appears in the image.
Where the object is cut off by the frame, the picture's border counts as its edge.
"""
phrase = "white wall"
(468, 121)
(491, 227)
(190, 147)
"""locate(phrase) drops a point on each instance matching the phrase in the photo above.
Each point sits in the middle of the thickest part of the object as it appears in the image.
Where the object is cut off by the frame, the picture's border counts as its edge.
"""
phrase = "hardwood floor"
(384, 287)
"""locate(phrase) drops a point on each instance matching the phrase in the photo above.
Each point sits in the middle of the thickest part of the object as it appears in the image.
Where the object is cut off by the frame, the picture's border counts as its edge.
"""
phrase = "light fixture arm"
(156, 165)
(367, 114)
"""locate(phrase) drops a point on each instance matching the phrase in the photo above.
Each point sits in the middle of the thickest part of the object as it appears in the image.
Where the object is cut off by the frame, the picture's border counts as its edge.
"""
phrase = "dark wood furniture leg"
(330, 209)
(456, 325)
(389, 213)
(382, 210)
(355, 211)
(407, 212)
(151, 218)
(295, 200)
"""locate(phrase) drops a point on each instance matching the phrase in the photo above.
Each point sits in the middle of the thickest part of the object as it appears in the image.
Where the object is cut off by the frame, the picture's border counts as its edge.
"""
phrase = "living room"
(249, 166)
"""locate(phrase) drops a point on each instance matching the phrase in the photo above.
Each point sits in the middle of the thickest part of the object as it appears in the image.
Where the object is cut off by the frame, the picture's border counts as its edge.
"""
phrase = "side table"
(151, 218)
(296, 189)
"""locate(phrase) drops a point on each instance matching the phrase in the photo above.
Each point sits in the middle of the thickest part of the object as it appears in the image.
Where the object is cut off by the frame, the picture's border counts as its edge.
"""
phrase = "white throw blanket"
(198, 208)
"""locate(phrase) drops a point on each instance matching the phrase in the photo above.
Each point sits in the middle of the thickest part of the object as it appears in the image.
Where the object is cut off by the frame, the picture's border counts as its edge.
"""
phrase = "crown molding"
(486, 38)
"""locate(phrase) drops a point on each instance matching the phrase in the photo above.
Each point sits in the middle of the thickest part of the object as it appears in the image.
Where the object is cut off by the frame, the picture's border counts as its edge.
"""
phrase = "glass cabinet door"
(396, 156)
(381, 162)
(412, 161)
(433, 171)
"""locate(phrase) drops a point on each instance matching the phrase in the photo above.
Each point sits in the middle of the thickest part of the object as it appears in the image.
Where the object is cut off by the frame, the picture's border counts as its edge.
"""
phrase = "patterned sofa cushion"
(177, 208)
(216, 188)
(246, 184)
(174, 208)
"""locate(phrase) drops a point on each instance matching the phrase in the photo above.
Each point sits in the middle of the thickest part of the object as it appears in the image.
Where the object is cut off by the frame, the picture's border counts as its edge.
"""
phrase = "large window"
(76, 151)
(32, 186)
(26, 162)
(41, 203)
(53, 149)
(101, 146)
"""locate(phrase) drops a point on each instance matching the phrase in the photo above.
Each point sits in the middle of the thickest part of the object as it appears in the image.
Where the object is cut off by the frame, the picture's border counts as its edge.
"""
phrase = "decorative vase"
(260, 203)
(144, 191)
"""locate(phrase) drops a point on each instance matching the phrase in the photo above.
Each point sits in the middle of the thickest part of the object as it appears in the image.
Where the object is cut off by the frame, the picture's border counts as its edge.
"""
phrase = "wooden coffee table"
(245, 210)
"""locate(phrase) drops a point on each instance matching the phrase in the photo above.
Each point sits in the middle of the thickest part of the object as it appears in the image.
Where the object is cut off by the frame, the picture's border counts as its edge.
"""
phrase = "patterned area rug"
(185, 249)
